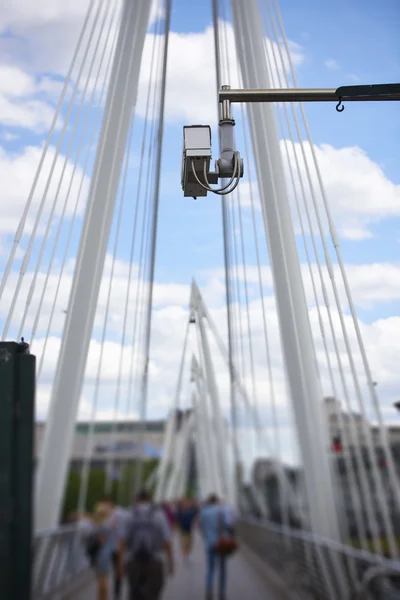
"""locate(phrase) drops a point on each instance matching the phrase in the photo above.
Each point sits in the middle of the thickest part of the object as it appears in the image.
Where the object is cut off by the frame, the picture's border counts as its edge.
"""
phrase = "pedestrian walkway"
(188, 581)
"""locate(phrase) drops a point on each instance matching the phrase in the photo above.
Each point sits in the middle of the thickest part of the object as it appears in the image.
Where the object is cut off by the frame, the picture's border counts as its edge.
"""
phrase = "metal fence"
(319, 569)
(58, 558)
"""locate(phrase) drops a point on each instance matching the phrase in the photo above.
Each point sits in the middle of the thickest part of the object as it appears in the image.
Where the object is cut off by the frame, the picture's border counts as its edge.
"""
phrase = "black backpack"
(145, 536)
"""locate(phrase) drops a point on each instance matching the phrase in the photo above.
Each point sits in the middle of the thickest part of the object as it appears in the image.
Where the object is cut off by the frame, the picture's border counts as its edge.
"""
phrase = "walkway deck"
(188, 582)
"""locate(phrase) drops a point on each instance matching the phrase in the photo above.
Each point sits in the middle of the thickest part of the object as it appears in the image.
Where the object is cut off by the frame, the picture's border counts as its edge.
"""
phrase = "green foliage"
(121, 490)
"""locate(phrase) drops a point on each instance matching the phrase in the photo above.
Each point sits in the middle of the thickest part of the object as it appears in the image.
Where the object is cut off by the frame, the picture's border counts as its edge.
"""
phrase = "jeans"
(214, 559)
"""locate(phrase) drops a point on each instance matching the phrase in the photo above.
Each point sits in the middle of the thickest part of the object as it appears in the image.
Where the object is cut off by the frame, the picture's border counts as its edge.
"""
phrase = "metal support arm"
(346, 93)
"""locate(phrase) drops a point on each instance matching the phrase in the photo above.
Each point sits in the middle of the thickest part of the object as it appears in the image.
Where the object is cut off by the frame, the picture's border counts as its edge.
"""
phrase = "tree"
(121, 489)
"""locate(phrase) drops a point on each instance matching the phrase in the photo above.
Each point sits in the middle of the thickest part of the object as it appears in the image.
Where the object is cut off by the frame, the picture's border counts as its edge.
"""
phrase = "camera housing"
(196, 151)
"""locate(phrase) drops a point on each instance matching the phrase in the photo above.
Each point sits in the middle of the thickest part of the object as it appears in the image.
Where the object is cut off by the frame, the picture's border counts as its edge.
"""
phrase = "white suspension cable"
(282, 479)
(92, 424)
(60, 182)
(297, 341)
(144, 391)
(67, 81)
(139, 312)
(95, 126)
(138, 331)
(227, 258)
(382, 429)
(355, 497)
(27, 253)
(67, 197)
(373, 458)
(117, 397)
(91, 255)
(214, 460)
(170, 431)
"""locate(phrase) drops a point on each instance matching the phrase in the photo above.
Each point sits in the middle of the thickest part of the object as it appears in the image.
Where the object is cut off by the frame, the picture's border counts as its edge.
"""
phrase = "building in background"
(344, 427)
(119, 442)
(339, 432)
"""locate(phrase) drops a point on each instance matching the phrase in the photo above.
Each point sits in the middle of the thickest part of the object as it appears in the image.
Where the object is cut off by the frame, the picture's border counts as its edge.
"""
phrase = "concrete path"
(188, 581)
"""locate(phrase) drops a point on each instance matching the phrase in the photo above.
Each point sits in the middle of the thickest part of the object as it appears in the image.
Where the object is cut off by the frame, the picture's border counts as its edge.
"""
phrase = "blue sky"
(336, 44)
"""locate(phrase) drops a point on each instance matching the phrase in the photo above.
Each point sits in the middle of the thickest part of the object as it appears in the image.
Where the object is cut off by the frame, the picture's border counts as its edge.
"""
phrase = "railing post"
(17, 399)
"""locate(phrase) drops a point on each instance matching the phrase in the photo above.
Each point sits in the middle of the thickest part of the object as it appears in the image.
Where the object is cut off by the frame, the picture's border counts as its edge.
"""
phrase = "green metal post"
(17, 399)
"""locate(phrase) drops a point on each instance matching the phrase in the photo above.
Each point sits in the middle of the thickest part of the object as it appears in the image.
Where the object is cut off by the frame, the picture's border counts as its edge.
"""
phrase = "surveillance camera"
(196, 155)
(196, 176)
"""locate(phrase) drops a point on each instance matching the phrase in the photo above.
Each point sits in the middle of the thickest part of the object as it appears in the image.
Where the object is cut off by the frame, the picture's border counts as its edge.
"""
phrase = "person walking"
(186, 516)
(117, 523)
(169, 513)
(147, 537)
(217, 530)
(101, 556)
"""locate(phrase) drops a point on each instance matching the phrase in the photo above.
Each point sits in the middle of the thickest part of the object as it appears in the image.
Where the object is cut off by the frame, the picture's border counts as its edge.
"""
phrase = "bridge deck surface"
(188, 582)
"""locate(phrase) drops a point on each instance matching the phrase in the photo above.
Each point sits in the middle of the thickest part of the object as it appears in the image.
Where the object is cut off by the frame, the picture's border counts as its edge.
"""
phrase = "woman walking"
(104, 539)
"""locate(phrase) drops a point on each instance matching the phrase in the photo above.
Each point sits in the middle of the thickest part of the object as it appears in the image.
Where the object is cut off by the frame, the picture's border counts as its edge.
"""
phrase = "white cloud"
(14, 82)
(17, 172)
(370, 285)
(19, 106)
(191, 84)
(358, 191)
(191, 92)
(354, 77)
(32, 46)
(7, 136)
(30, 114)
(23, 14)
(332, 64)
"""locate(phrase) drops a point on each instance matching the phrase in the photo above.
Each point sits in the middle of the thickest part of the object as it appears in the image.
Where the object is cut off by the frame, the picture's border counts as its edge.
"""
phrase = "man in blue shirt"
(214, 520)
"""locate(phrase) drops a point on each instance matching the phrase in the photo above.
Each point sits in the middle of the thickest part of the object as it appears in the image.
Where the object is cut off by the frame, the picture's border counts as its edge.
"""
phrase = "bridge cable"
(282, 479)
(371, 386)
(382, 501)
(169, 436)
(33, 234)
(90, 438)
(140, 280)
(64, 167)
(115, 428)
(354, 494)
(145, 258)
(227, 252)
(255, 410)
(67, 82)
(90, 148)
(144, 390)
(240, 358)
(70, 186)
(248, 58)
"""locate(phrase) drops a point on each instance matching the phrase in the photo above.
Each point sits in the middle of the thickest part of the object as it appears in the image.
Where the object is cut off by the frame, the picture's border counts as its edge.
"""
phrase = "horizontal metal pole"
(367, 93)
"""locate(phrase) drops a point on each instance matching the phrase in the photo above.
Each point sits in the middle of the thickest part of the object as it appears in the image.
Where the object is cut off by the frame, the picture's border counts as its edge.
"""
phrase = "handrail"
(319, 567)
(306, 536)
(58, 557)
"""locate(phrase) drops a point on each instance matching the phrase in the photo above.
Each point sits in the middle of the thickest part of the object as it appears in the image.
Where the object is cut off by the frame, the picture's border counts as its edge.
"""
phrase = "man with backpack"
(147, 537)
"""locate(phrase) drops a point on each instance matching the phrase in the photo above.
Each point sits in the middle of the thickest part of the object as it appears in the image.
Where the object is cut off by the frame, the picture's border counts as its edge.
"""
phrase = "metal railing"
(58, 557)
(320, 569)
